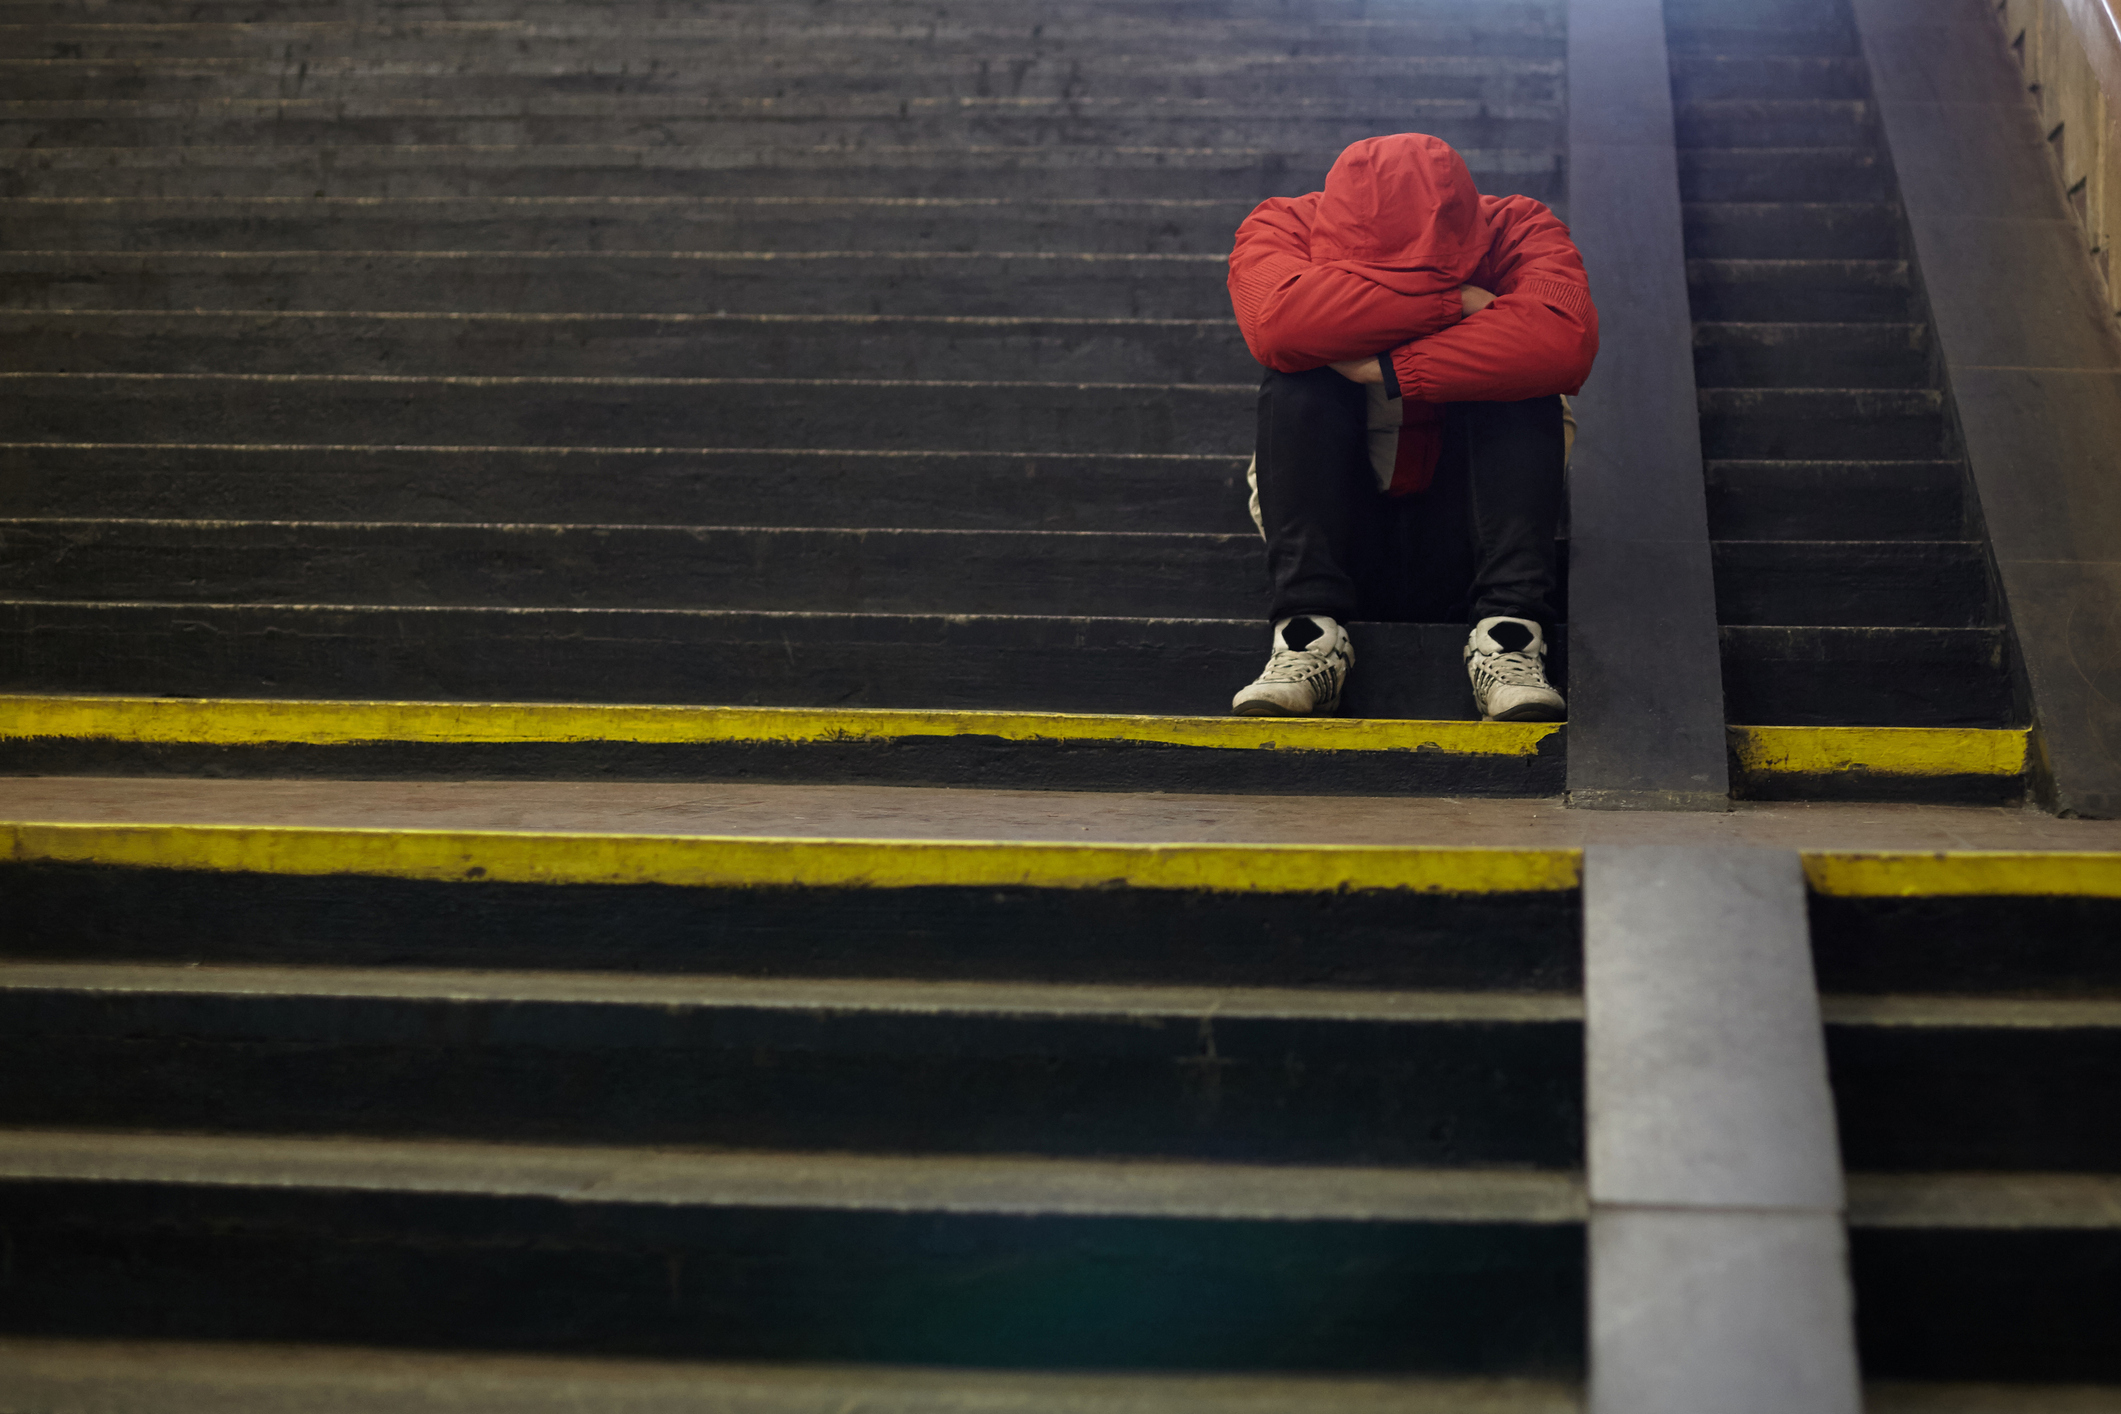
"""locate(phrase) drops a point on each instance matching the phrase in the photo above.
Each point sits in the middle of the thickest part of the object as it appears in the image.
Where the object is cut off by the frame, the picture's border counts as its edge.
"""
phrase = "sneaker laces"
(1294, 665)
(1513, 669)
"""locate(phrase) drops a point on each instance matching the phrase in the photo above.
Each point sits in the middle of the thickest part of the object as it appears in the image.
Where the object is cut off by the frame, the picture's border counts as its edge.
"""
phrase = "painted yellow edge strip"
(258, 722)
(702, 860)
(1879, 751)
(1877, 874)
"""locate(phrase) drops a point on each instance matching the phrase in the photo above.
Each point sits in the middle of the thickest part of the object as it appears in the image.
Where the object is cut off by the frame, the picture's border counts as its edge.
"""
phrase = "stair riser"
(1805, 175)
(1865, 677)
(1797, 231)
(808, 226)
(617, 347)
(777, 1284)
(1827, 361)
(982, 762)
(1774, 124)
(1966, 944)
(1362, 938)
(993, 286)
(1762, 38)
(754, 137)
(885, 491)
(650, 47)
(1497, 81)
(1184, 667)
(1700, 78)
(1952, 1099)
(1037, 13)
(1057, 173)
(881, 572)
(1822, 500)
(2033, 1305)
(1774, 433)
(1178, 1085)
(1130, 418)
(1858, 583)
(1807, 296)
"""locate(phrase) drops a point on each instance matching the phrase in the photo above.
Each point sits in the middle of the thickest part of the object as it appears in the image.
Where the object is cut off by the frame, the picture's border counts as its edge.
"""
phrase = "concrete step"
(1807, 424)
(1779, 122)
(1810, 675)
(1846, 230)
(996, 284)
(1754, 174)
(1806, 291)
(1052, 663)
(1114, 418)
(1698, 78)
(1288, 1076)
(613, 485)
(1971, 1035)
(1896, 583)
(1070, 172)
(1005, 71)
(576, 39)
(173, 1377)
(1763, 355)
(1017, 751)
(597, 896)
(763, 124)
(852, 571)
(923, 348)
(1818, 500)
(1753, 35)
(625, 223)
(925, 1260)
(1515, 16)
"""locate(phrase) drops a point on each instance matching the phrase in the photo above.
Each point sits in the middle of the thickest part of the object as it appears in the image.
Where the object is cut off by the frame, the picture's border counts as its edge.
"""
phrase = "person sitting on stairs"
(1418, 337)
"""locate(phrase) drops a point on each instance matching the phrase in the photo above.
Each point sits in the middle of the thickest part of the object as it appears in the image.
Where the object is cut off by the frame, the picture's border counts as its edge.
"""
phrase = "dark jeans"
(1478, 542)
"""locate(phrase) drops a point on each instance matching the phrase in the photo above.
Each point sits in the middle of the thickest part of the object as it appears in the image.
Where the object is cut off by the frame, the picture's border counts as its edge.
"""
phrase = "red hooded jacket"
(1373, 265)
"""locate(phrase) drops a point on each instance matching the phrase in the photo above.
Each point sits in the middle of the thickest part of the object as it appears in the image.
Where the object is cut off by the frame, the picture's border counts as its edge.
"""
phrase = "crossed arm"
(1368, 370)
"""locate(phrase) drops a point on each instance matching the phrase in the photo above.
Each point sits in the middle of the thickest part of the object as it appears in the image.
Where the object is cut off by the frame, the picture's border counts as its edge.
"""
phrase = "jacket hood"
(1402, 211)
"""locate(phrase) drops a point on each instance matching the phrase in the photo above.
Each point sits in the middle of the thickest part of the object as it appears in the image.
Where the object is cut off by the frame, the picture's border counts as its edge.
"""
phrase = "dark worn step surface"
(1184, 666)
(995, 283)
(923, 347)
(1866, 677)
(864, 571)
(1144, 226)
(676, 486)
(1824, 500)
(1890, 583)
(1154, 418)
(1286, 1076)
(776, 1256)
(1831, 355)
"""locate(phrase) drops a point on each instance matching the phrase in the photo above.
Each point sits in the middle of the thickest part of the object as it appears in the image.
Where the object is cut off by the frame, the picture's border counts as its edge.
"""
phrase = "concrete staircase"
(1852, 581)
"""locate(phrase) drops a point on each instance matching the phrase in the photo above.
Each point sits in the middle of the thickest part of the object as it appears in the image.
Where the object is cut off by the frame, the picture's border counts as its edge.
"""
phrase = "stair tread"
(859, 1182)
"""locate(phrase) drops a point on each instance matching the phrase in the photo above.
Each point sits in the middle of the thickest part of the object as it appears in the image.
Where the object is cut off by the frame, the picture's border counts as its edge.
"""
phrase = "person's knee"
(1316, 392)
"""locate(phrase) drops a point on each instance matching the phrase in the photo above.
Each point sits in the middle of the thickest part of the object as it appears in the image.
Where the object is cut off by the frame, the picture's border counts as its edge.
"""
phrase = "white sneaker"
(1311, 659)
(1506, 659)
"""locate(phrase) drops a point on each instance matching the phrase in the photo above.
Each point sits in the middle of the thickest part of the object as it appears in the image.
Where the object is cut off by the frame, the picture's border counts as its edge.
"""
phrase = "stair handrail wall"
(2069, 52)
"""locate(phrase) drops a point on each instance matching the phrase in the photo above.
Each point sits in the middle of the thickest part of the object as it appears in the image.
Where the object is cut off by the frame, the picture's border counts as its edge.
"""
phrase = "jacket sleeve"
(1296, 315)
(1538, 337)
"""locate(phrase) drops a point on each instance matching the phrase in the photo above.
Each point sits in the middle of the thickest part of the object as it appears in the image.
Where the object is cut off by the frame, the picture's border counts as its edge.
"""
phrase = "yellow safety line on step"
(738, 861)
(1892, 874)
(1879, 751)
(257, 722)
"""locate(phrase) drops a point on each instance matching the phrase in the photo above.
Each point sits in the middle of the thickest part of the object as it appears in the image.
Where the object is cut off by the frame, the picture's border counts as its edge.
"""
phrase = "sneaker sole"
(1264, 709)
(1531, 712)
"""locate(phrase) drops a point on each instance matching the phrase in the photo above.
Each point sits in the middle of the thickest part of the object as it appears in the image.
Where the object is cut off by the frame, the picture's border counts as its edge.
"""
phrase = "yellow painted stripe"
(256, 722)
(1885, 874)
(1879, 751)
(552, 858)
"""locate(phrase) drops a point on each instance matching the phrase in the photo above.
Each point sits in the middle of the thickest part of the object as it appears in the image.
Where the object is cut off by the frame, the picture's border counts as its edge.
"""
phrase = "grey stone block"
(1720, 1313)
(1706, 1064)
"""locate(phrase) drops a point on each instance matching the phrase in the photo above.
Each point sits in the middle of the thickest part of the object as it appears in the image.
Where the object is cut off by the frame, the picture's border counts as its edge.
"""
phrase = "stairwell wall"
(2069, 52)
